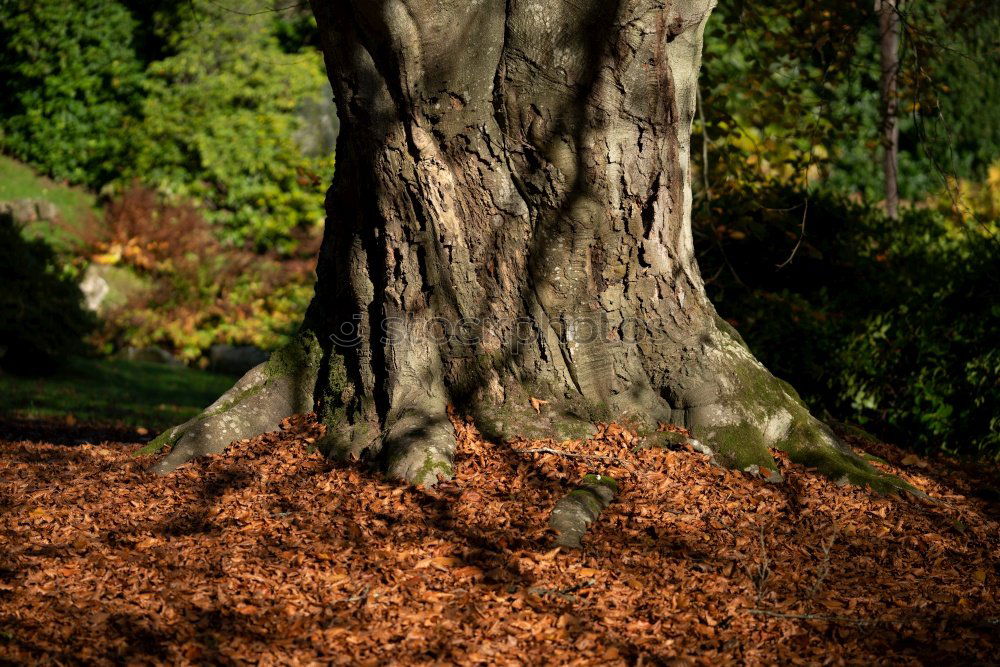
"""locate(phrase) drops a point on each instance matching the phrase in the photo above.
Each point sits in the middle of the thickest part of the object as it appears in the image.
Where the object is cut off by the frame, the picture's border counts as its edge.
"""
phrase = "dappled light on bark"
(518, 172)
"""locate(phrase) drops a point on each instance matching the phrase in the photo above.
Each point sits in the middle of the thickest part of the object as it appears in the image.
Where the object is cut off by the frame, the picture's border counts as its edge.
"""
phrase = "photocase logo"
(572, 329)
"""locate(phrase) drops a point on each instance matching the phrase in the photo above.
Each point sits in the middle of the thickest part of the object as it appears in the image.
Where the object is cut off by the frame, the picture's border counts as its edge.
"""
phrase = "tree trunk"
(509, 221)
(888, 24)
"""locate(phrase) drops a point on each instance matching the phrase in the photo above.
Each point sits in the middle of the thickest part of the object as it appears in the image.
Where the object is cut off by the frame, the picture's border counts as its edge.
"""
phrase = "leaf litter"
(270, 554)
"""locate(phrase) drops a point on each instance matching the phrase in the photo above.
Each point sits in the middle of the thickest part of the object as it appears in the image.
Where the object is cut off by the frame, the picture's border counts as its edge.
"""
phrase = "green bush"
(42, 320)
(218, 127)
(890, 325)
(201, 102)
(195, 290)
(70, 82)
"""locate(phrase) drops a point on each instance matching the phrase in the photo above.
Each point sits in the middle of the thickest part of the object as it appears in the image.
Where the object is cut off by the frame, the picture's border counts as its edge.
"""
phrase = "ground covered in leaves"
(270, 553)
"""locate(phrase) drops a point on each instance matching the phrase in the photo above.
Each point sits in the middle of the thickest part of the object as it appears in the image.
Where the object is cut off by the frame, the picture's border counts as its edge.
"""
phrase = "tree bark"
(888, 23)
(511, 220)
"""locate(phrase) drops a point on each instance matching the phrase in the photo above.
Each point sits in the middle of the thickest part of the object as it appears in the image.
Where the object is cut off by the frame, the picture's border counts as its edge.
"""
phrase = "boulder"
(24, 211)
(94, 287)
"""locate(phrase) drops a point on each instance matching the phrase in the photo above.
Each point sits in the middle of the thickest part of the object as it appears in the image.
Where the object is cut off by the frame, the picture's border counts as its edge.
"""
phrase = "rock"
(235, 359)
(24, 211)
(106, 287)
(94, 288)
(155, 355)
(46, 210)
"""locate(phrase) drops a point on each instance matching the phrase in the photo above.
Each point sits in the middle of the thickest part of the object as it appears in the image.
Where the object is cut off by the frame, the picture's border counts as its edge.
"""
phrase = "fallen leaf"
(537, 404)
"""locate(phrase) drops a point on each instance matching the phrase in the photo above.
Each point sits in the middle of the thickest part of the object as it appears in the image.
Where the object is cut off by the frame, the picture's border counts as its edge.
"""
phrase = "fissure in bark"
(511, 219)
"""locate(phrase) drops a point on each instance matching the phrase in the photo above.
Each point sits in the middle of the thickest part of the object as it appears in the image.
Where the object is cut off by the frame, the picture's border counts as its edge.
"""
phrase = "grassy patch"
(132, 393)
(19, 181)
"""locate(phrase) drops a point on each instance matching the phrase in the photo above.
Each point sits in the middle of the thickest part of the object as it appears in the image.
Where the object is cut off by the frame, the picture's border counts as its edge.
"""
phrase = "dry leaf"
(537, 404)
(289, 555)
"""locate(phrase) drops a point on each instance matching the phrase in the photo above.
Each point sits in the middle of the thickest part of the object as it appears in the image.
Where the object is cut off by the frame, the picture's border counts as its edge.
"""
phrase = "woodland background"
(180, 152)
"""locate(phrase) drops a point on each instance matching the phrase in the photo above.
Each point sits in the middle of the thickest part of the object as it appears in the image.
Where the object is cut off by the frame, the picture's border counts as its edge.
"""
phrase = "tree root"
(419, 448)
(735, 410)
(753, 411)
(575, 511)
(269, 392)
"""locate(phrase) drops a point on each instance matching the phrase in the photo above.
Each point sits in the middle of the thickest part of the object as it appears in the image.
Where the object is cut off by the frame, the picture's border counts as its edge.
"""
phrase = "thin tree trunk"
(510, 220)
(888, 20)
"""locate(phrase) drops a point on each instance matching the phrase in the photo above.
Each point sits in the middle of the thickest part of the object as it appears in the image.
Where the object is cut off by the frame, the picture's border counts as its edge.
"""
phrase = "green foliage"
(791, 95)
(961, 130)
(70, 78)
(201, 102)
(219, 124)
(891, 326)
(198, 291)
(41, 316)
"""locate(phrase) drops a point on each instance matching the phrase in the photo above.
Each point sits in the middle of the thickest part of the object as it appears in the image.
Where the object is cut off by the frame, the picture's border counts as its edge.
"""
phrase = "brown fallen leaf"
(439, 562)
(537, 404)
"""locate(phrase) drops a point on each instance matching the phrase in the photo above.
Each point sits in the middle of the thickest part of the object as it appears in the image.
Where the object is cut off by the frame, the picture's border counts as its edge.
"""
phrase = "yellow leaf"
(469, 571)
(587, 572)
(979, 576)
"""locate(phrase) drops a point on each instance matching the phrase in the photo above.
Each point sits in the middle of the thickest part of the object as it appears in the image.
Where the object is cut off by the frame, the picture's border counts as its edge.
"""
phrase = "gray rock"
(235, 359)
(21, 210)
(94, 287)
(24, 211)
(46, 210)
(316, 135)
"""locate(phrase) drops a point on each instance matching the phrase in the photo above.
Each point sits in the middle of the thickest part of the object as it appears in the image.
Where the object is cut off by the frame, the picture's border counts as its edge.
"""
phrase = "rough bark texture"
(510, 218)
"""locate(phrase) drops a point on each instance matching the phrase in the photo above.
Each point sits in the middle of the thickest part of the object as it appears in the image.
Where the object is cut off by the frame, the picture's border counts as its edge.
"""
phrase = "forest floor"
(270, 553)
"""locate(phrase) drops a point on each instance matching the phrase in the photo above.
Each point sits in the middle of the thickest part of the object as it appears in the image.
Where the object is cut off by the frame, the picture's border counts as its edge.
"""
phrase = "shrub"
(70, 79)
(42, 320)
(218, 127)
(890, 325)
(200, 291)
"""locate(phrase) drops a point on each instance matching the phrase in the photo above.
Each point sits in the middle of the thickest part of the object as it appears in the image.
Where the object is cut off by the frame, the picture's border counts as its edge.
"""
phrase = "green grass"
(131, 393)
(19, 181)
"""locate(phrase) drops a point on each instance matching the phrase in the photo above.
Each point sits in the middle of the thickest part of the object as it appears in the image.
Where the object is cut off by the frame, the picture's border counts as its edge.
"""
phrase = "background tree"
(518, 174)
(888, 26)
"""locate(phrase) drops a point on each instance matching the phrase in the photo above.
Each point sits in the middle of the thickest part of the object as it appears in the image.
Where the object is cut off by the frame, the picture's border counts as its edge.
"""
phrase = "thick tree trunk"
(510, 220)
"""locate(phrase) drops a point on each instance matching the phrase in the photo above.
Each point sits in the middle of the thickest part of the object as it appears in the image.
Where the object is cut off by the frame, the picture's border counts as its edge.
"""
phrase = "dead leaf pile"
(270, 553)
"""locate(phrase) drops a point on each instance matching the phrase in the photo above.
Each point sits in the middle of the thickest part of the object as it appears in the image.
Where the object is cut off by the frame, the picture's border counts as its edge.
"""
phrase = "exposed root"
(580, 507)
(419, 447)
(271, 391)
(753, 411)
